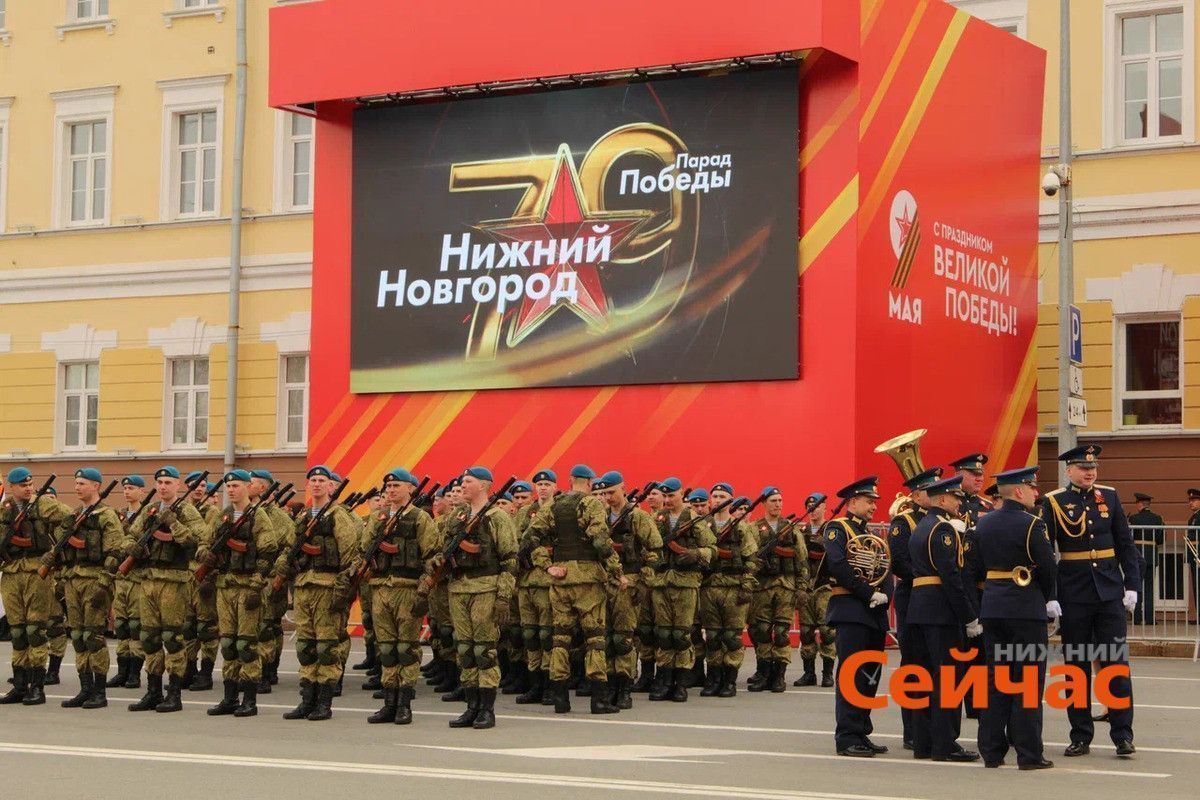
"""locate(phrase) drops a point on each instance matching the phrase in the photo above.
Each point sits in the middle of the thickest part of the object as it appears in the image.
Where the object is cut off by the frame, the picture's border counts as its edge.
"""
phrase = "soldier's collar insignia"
(947, 540)
(832, 535)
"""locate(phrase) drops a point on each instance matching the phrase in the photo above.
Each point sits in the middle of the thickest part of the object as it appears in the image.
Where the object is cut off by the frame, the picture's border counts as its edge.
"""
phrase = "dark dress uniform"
(859, 627)
(1014, 616)
(1193, 537)
(1098, 564)
(941, 605)
(1148, 541)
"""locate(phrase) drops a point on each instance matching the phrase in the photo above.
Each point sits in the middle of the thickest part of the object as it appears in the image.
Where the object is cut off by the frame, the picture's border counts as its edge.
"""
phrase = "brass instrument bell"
(905, 451)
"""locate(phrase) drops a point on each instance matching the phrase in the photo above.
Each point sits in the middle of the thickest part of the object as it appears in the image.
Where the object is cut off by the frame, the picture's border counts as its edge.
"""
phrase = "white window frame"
(97, 15)
(1120, 322)
(71, 107)
(1000, 13)
(5, 105)
(183, 96)
(284, 387)
(3, 15)
(201, 8)
(169, 442)
(60, 413)
(90, 218)
(285, 166)
(1113, 131)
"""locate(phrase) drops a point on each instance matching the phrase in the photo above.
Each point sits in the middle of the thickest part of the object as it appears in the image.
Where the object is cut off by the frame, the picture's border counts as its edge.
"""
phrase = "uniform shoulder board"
(1102, 486)
(1054, 492)
(908, 516)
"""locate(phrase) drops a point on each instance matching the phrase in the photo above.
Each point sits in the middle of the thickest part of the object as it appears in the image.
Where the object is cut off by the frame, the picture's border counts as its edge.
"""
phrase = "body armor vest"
(165, 555)
(239, 563)
(687, 540)
(570, 543)
(92, 552)
(474, 565)
(329, 557)
(405, 561)
(34, 529)
(729, 552)
(629, 547)
(773, 564)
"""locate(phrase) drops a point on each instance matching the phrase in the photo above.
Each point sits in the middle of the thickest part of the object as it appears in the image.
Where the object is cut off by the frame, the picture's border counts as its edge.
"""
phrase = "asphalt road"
(751, 746)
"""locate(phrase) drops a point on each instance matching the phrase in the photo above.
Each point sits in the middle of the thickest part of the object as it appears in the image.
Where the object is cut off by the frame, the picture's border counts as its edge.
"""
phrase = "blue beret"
(545, 475)
(608, 480)
(739, 502)
(582, 471)
(191, 476)
(168, 472)
(89, 474)
(1086, 454)
(237, 475)
(770, 490)
(521, 486)
(1029, 475)
(263, 474)
(973, 462)
(722, 487)
(19, 475)
(210, 486)
(670, 485)
(401, 475)
(506, 496)
(944, 486)
(336, 478)
(441, 492)
(319, 469)
(698, 495)
(479, 473)
(923, 479)
(813, 500)
(52, 491)
(133, 480)
(865, 487)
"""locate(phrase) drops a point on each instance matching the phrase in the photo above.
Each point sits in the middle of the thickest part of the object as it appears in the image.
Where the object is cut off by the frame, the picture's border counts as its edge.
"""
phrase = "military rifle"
(226, 538)
(364, 572)
(460, 541)
(293, 554)
(69, 537)
(675, 546)
(152, 530)
(773, 543)
(19, 520)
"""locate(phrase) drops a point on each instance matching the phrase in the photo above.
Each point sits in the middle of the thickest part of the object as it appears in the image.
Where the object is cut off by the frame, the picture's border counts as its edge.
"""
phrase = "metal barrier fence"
(1170, 589)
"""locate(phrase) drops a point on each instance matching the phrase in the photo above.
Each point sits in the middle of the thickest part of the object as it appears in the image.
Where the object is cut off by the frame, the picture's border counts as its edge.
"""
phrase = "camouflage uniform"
(201, 631)
(270, 635)
(441, 627)
(630, 623)
(28, 600)
(533, 602)
(676, 597)
(127, 620)
(783, 581)
(729, 583)
(812, 612)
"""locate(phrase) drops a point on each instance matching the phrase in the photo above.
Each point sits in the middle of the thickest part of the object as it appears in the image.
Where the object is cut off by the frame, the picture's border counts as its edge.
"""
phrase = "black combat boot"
(809, 676)
(622, 699)
(99, 696)
(323, 710)
(582, 686)
(646, 679)
(308, 693)
(370, 661)
(152, 697)
(695, 676)
(576, 677)
(263, 686)
(534, 693)
(486, 718)
(449, 678)
(760, 672)
(36, 695)
(520, 679)
(229, 702)
(52, 671)
(679, 693)
(428, 668)
(826, 672)
(547, 689)
(712, 681)
(779, 677)
(249, 706)
(85, 691)
(203, 681)
(467, 718)
(506, 672)
(20, 689)
(456, 692)
(600, 699)
(374, 682)
(665, 678)
(274, 679)
(388, 712)
(122, 673)
(189, 674)
(560, 691)
(134, 679)
(337, 685)
(728, 683)
(171, 702)
(437, 672)
(404, 705)
(768, 675)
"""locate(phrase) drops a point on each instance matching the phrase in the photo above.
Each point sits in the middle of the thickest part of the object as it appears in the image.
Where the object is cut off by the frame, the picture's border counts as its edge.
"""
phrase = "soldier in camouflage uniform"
(127, 621)
(729, 585)
(409, 540)
(201, 631)
(366, 605)
(440, 622)
(270, 634)
(87, 566)
(237, 548)
(689, 545)
(482, 582)
(166, 587)
(28, 600)
(570, 539)
(812, 612)
(783, 587)
(533, 596)
(57, 630)
(646, 644)
(322, 582)
(518, 679)
(638, 543)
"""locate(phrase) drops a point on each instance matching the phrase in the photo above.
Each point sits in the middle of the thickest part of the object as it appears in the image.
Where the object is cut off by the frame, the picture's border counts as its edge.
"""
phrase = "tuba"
(905, 450)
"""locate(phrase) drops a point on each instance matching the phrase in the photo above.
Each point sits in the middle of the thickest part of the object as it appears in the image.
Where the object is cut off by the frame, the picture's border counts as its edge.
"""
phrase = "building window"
(86, 172)
(300, 160)
(293, 397)
(196, 3)
(189, 401)
(1152, 78)
(1007, 15)
(86, 10)
(3, 11)
(80, 405)
(1149, 391)
(196, 163)
(3, 157)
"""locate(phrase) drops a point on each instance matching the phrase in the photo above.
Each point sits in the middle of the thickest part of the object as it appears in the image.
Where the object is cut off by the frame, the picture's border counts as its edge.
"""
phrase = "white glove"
(879, 599)
(1053, 609)
(974, 628)
(1130, 600)
(959, 525)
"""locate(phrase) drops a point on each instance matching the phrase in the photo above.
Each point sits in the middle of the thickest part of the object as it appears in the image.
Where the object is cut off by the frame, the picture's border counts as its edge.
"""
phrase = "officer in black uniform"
(1193, 543)
(899, 533)
(940, 608)
(858, 611)
(1147, 540)
(970, 468)
(1098, 579)
(1018, 560)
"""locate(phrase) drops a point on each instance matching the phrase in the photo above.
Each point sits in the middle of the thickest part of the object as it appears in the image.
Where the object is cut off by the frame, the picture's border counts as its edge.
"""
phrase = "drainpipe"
(235, 243)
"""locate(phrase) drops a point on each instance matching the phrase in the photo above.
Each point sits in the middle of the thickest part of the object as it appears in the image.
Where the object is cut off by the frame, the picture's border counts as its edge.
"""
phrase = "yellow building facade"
(116, 173)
